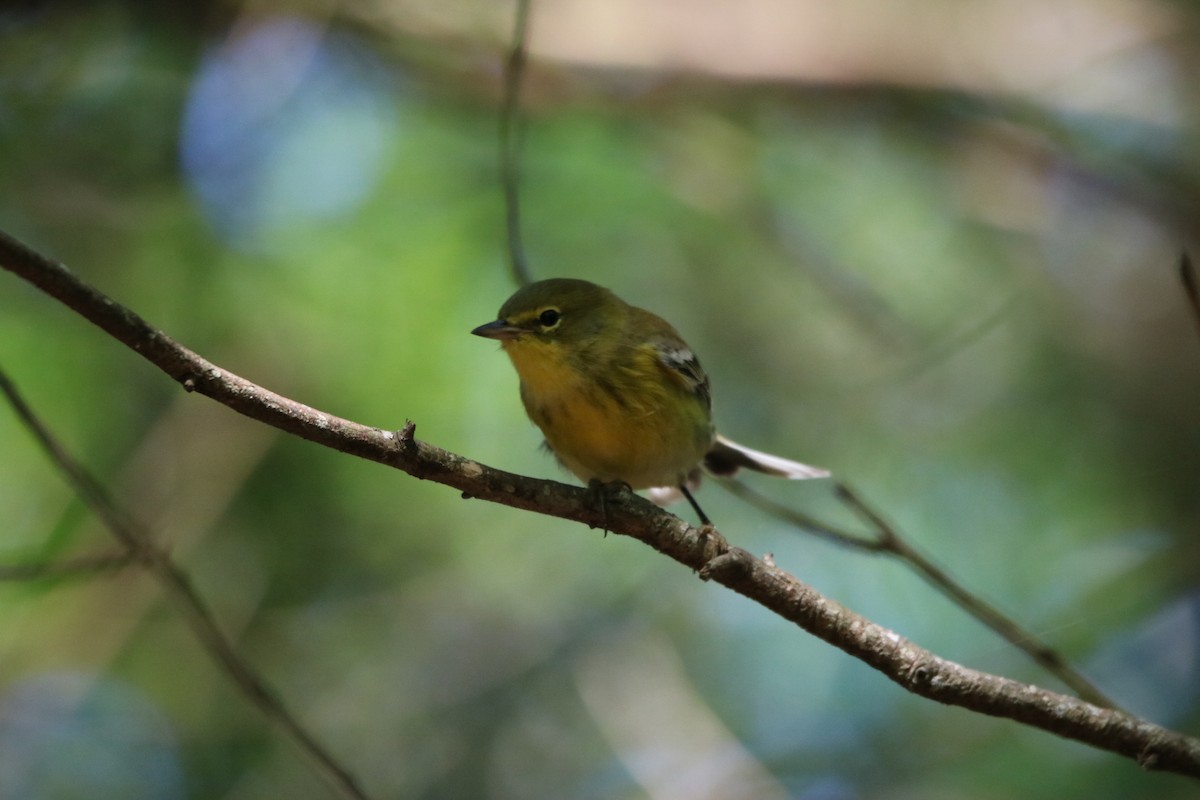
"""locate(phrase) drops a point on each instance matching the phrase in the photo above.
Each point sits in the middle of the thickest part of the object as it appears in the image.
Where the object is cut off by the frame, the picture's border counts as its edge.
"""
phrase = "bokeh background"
(932, 246)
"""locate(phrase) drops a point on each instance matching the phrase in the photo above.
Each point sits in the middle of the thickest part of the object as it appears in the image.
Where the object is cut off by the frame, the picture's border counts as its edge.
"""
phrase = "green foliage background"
(964, 303)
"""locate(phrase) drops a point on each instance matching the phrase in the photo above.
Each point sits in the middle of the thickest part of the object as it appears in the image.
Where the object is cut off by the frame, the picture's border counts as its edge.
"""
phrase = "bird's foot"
(601, 494)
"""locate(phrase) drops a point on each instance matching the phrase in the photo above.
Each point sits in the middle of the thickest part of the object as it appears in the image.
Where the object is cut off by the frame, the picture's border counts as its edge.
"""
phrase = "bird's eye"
(549, 318)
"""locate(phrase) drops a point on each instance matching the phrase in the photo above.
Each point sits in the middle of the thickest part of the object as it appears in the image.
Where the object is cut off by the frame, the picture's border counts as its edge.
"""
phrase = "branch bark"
(910, 666)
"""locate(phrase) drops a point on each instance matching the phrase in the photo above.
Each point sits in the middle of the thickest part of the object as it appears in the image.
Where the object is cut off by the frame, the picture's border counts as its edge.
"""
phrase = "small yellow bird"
(618, 394)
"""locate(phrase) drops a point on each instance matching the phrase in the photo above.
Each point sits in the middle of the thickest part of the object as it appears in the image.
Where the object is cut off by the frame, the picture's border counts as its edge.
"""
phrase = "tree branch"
(510, 145)
(1191, 286)
(903, 662)
(141, 549)
(66, 568)
(887, 540)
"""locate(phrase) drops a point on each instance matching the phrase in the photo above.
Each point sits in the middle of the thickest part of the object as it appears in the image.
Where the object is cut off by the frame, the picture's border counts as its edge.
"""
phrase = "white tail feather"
(726, 456)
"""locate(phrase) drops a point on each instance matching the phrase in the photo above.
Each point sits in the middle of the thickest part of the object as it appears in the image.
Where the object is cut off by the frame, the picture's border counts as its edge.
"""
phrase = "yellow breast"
(612, 422)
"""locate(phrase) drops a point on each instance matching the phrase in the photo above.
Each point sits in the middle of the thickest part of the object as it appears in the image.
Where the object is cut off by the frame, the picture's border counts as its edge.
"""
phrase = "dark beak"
(498, 330)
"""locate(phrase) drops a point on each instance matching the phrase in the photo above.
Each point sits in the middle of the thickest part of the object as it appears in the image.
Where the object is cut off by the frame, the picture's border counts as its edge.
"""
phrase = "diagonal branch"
(889, 541)
(1191, 286)
(66, 568)
(1020, 637)
(903, 662)
(142, 550)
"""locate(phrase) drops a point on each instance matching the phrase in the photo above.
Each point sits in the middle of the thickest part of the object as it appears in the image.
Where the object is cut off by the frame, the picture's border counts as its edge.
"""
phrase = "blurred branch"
(67, 567)
(887, 539)
(510, 145)
(892, 542)
(903, 662)
(140, 548)
(1191, 287)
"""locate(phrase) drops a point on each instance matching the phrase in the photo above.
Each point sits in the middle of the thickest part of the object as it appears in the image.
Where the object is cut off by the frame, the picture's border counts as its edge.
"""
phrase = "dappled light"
(931, 246)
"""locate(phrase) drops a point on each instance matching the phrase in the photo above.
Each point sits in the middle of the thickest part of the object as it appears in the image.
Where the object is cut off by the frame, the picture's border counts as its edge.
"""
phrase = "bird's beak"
(498, 330)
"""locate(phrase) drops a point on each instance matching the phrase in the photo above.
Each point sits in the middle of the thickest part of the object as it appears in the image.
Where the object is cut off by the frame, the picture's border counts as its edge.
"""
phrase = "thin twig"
(65, 568)
(798, 519)
(141, 549)
(887, 539)
(901, 661)
(510, 145)
(1191, 286)
(1047, 657)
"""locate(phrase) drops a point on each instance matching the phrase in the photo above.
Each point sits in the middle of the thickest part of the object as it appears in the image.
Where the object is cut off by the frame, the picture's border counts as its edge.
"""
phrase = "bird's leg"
(704, 520)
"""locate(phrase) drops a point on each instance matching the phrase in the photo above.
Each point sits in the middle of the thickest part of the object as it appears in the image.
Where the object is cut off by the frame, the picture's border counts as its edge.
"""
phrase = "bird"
(619, 396)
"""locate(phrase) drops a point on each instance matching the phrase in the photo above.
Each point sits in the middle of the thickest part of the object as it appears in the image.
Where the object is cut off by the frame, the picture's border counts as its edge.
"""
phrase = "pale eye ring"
(549, 318)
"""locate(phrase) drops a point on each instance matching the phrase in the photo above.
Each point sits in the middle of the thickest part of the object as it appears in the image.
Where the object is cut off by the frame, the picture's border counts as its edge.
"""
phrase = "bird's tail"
(725, 457)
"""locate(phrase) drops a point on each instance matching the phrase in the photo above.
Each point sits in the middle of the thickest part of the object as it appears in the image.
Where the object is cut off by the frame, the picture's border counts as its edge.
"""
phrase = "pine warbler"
(618, 394)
